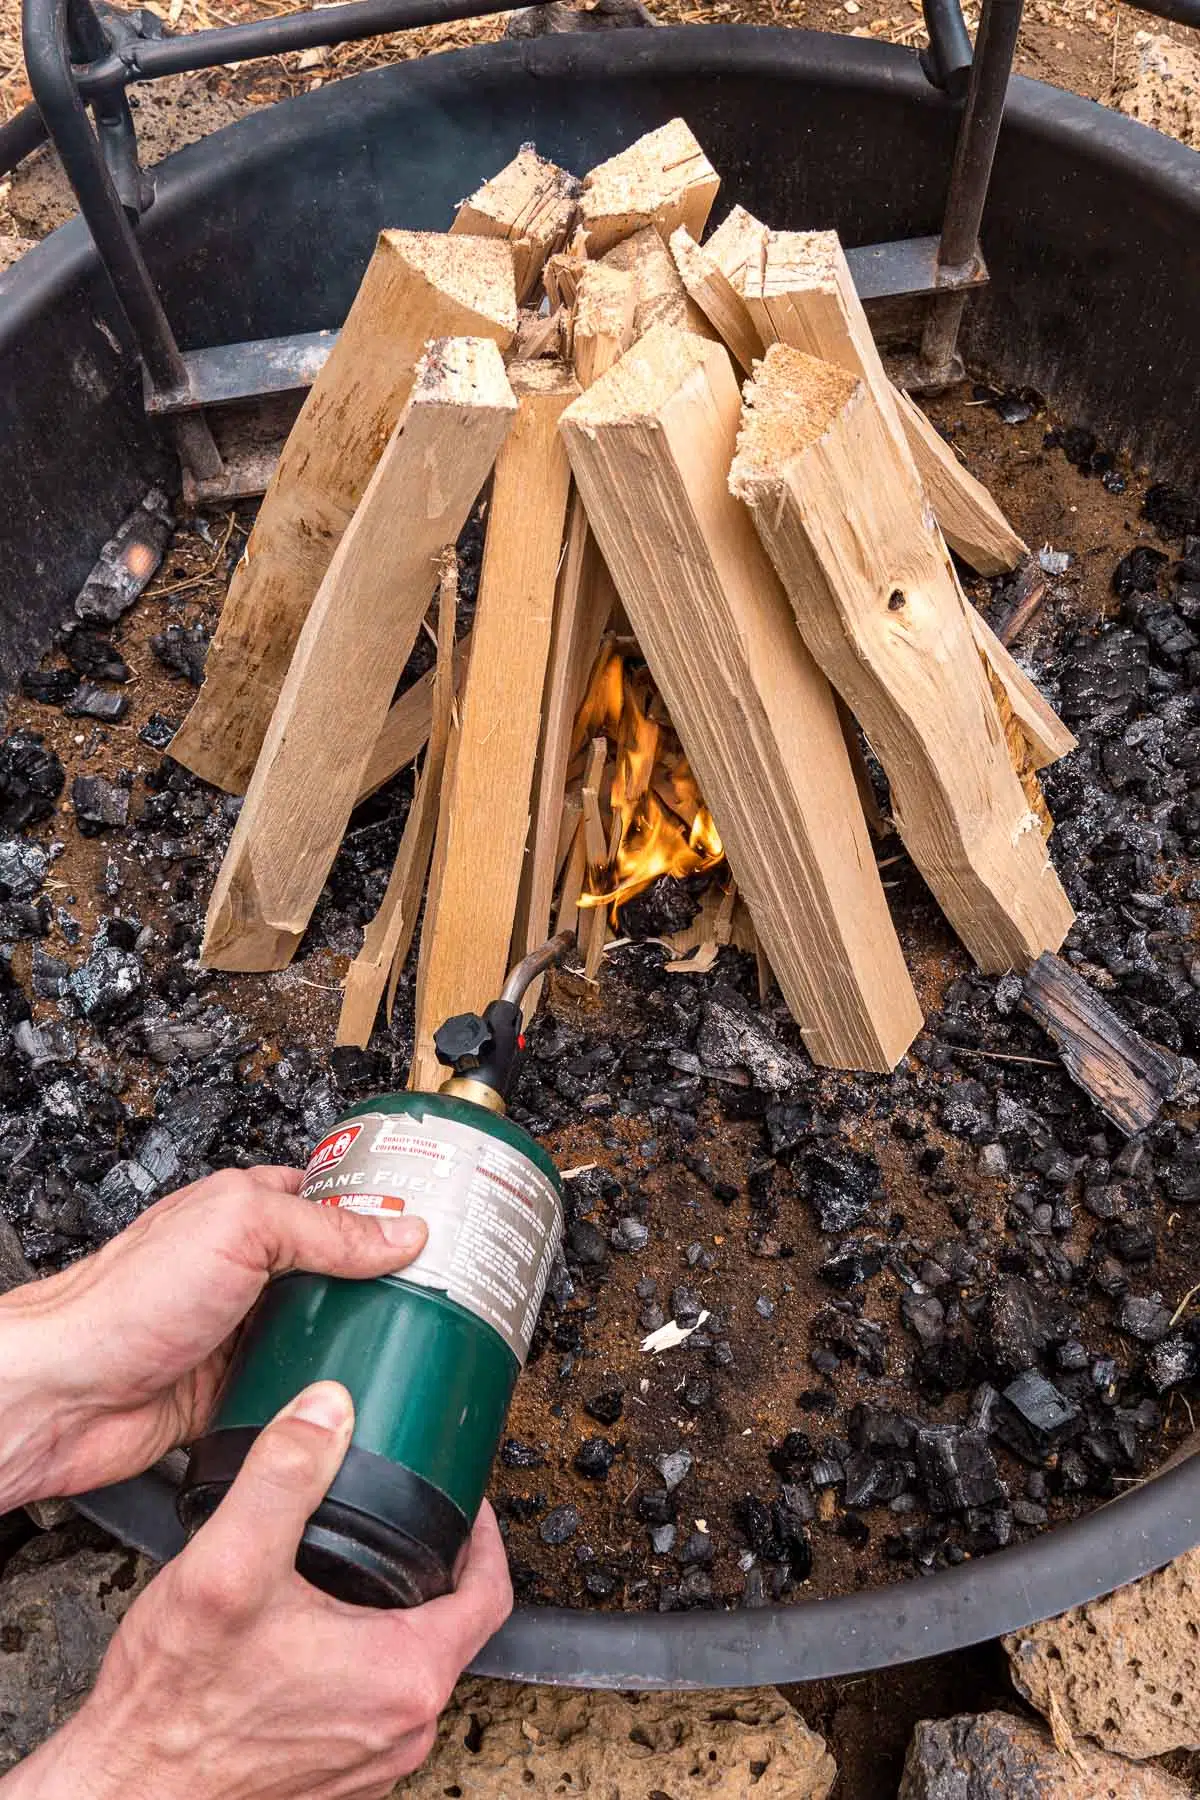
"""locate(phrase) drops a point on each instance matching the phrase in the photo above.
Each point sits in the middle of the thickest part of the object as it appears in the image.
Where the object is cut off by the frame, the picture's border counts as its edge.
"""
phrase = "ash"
(926, 1315)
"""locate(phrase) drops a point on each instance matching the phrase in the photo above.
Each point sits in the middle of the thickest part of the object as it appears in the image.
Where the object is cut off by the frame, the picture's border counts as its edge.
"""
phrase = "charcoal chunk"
(22, 869)
(605, 1407)
(158, 731)
(99, 805)
(1138, 571)
(127, 561)
(559, 1526)
(842, 1184)
(731, 1037)
(182, 650)
(925, 1317)
(516, 1455)
(673, 1466)
(849, 1268)
(110, 983)
(1035, 1418)
(1172, 1362)
(31, 779)
(49, 687)
(90, 701)
(594, 1458)
(1144, 1317)
(880, 1431)
(1021, 1322)
(586, 1245)
(1106, 678)
(956, 1469)
(92, 655)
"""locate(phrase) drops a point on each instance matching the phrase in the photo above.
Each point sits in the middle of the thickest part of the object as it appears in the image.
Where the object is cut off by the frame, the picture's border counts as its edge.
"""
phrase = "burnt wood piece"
(1127, 1077)
(1031, 593)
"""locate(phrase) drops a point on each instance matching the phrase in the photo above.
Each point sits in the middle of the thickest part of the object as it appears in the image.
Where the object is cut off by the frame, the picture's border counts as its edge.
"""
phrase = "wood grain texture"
(662, 298)
(663, 180)
(388, 937)
(602, 323)
(485, 819)
(353, 646)
(531, 204)
(843, 516)
(418, 286)
(1128, 1078)
(801, 293)
(972, 523)
(713, 292)
(650, 447)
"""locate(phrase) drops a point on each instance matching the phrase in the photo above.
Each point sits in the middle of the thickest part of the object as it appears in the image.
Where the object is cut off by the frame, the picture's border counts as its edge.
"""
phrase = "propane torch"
(430, 1355)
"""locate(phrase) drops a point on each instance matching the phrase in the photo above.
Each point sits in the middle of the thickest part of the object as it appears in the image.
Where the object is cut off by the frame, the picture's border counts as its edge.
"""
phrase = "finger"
(454, 1629)
(331, 1240)
(253, 1535)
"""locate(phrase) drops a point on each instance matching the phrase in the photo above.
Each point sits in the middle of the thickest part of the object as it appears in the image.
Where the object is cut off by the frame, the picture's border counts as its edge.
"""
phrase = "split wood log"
(803, 294)
(842, 514)
(388, 938)
(531, 204)
(650, 446)
(602, 324)
(539, 335)
(972, 523)
(354, 643)
(418, 286)
(662, 298)
(1128, 1078)
(738, 247)
(713, 292)
(598, 852)
(406, 729)
(485, 818)
(574, 876)
(663, 180)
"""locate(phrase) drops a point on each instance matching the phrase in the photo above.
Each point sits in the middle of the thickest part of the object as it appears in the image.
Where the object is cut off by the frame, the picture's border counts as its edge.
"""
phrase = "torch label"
(495, 1220)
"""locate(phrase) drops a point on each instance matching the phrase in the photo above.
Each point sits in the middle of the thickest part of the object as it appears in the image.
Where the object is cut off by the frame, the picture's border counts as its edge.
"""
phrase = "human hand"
(230, 1678)
(120, 1358)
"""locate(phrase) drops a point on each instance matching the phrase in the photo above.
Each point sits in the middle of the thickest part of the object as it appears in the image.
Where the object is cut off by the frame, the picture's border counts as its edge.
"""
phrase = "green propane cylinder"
(430, 1356)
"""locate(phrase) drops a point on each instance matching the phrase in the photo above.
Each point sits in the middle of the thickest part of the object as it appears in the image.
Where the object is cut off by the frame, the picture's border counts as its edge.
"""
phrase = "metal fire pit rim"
(66, 254)
(805, 1640)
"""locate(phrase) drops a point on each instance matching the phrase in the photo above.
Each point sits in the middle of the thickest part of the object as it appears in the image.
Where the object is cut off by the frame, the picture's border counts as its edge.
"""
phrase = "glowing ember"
(659, 823)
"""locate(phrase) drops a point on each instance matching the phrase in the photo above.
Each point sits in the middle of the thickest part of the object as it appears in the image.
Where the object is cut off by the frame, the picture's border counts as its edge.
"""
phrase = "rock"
(496, 1740)
(1124, 1670)
(732, 1038)
(989, 1755)
(1163, 87)
(673, 1466)
(58, 1618)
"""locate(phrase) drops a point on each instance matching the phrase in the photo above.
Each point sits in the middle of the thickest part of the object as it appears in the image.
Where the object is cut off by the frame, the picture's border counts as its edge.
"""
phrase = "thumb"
(255, 1531)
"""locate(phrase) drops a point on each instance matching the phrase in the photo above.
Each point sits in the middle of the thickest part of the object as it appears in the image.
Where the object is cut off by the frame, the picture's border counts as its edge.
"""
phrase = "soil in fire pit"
(879, 1259)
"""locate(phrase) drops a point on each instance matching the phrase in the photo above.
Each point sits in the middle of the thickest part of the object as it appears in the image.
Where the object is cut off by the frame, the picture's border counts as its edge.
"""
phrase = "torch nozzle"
(536, 963)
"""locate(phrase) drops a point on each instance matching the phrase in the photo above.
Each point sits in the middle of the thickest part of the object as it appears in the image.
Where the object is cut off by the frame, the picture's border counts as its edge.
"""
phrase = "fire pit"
(808, 131)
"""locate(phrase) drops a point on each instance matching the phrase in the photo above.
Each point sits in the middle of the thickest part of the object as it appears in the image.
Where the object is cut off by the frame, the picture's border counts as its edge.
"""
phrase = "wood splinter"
(842, 514)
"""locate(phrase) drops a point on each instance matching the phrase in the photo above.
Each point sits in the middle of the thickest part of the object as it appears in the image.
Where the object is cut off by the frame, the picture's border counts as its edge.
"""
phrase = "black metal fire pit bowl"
(265, 229)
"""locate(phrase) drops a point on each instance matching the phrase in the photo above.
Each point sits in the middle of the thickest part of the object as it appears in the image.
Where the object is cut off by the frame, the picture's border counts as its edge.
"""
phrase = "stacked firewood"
(716, 547)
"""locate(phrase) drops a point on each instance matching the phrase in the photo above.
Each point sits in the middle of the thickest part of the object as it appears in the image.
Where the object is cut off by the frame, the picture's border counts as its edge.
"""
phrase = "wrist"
(36, 1412)
(80, 1760)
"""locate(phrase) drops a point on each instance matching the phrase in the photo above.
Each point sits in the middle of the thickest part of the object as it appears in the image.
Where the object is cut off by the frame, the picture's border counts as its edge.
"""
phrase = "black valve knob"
(463, 1041)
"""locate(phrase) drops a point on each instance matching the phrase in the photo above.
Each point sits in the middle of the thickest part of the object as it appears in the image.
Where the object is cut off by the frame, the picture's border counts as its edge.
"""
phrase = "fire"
(659, 822)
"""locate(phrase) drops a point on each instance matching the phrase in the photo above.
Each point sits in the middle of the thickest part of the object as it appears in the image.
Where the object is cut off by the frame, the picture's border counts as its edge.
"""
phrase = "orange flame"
(660, 825)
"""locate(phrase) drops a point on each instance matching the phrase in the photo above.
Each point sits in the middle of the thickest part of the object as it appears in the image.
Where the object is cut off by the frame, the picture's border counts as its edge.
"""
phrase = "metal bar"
(48, 66)
(947, 61)
(970, 176)
(20, 136)
(150, 58)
